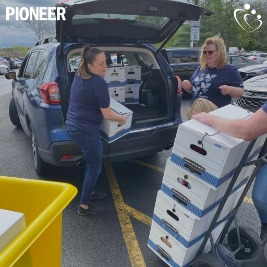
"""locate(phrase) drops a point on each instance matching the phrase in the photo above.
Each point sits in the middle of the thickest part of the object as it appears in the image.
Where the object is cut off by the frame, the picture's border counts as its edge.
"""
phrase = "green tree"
(224, 23)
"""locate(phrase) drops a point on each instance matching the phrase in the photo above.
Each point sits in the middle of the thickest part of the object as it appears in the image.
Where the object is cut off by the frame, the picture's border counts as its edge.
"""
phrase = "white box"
(197, 195)
(174, 253)
(184, 226)
(117, 93)
(211, 155)
(115, 74)
(132, 93)
(11, 225)
(112, 130)
(132, 73)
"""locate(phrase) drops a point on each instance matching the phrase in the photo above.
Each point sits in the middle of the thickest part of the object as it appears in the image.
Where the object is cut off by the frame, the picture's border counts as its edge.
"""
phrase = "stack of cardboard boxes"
(124, 83)
(196, 177)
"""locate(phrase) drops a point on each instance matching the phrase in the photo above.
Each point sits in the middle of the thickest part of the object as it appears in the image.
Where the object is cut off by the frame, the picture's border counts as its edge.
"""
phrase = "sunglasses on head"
(209, 52)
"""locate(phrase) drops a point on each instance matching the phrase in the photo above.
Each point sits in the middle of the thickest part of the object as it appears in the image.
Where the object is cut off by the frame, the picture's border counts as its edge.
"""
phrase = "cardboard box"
(209, 154)
(132, 73)
(174, 253)
(112, 130)
(117, 93)
(115, 74)
(11, 225)
(185, 226)
(176, 237)
(197, 195)
(132, 93)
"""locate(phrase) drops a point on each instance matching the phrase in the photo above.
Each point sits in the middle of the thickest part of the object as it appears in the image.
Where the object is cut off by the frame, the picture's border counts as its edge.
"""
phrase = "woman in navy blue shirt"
(88, 105)
(215, 79)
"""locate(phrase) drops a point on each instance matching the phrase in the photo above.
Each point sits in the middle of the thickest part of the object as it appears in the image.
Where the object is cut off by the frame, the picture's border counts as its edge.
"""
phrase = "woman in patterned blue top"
(248, 129)
(215, 79)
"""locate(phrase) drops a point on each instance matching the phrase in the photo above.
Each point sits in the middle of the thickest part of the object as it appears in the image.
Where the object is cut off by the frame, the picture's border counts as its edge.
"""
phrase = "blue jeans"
(259, 193)
(92, 149)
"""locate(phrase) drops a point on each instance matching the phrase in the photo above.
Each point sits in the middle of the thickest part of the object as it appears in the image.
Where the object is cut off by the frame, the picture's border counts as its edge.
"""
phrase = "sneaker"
(227, 256)
(98, 195)
(93, 209)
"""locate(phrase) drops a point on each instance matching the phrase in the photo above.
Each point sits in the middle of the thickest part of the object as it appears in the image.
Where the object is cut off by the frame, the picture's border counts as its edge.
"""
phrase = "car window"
(40, 64)
(74, 61)
(237, 60)
(184, 56)
(29, 70)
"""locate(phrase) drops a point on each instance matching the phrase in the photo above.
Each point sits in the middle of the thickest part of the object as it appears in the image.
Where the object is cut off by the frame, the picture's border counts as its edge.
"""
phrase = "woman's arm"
(246, 129)
(233, 91)
(109, 114)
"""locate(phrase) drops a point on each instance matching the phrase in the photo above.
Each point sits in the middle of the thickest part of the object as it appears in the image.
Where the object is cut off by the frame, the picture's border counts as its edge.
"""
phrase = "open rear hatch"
(123, 21)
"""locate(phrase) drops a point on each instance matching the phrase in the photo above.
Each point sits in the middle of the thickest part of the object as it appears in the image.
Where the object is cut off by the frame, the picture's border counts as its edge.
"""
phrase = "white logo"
(248, 21)
(37, 13)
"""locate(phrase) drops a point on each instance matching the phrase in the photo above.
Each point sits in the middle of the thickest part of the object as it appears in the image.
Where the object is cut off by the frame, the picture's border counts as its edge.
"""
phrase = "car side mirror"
(10, 75)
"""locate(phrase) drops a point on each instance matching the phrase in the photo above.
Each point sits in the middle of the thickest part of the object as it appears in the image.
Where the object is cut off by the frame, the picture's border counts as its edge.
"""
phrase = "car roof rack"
(46, 40)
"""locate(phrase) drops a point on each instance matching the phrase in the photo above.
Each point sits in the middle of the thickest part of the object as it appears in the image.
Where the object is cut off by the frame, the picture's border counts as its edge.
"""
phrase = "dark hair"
(88, 57)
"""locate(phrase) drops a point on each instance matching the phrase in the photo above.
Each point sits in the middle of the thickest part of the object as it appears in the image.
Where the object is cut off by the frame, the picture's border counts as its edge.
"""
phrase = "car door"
(23, 84)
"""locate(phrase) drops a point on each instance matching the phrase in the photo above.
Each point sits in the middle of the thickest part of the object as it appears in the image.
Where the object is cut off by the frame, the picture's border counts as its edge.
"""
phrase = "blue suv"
(126, 31)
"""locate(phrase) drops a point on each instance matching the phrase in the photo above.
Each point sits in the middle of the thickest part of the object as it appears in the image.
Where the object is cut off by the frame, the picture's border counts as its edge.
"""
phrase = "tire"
(249, 239)
(208, 260)
(13, 113)
(40, 167)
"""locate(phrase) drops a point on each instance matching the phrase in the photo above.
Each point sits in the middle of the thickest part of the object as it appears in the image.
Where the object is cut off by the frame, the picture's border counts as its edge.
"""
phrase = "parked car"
(255, 94)
(17, 62)
(3, 68)
(252, 71)
(240, 61)
(3, 61)
(40, 91)
(11, 62)
(183, 61)
(259, 57)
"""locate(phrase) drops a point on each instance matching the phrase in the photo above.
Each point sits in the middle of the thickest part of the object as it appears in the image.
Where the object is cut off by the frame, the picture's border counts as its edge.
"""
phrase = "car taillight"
(50, 93)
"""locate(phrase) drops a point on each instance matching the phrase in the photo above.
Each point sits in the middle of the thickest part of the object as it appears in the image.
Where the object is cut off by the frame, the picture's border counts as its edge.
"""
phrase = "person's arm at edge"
(247, 129)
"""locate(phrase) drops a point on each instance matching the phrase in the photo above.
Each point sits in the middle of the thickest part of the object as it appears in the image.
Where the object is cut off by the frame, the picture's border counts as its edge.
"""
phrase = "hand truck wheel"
(249, 239)
(207, 260)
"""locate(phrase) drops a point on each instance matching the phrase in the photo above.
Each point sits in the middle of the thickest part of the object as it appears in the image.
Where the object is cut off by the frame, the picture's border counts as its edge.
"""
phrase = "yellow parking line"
(138, 215)
(155, 168)
(148, 165)
(135, 254)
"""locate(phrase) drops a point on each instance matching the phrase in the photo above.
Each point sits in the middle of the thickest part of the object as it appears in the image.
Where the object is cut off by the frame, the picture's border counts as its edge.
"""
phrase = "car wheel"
(208, 260)
(40, 167)
(249, 239)
(13, 113)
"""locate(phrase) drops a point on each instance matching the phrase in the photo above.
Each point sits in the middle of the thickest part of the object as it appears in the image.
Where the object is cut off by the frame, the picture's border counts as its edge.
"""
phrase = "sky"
(12, 32)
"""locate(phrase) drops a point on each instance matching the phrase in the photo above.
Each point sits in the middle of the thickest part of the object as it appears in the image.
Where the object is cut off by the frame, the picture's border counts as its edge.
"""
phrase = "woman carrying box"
(89, 104)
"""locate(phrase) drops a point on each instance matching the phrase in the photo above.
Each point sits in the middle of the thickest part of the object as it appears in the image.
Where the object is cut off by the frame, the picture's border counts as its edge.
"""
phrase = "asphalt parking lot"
(119, 236)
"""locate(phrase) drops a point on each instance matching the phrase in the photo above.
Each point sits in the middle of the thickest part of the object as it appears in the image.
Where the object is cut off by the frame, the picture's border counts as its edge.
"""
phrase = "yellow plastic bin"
(42, 202)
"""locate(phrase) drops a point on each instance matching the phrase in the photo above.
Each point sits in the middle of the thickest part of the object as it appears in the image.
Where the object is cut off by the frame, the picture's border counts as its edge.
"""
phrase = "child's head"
(200, 105)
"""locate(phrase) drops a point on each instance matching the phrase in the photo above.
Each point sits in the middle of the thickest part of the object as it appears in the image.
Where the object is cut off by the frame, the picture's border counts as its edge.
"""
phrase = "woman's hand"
(122, 119)
(187, 86)
(225, 89)
(233, 91)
